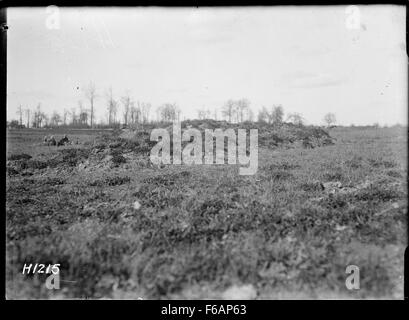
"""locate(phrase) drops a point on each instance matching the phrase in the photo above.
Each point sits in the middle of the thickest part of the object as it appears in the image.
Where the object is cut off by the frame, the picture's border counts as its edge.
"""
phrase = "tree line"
(83, 115)
(136, 112)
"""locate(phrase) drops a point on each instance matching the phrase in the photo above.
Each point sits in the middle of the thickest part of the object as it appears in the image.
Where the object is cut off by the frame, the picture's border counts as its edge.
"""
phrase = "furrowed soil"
(320, 201)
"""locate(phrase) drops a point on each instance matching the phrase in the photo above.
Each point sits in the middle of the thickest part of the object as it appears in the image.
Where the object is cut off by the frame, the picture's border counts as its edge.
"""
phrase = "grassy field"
(205, 231)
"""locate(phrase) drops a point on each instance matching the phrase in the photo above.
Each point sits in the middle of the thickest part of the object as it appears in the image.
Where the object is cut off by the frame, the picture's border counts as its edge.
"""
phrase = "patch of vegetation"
(355, 162)
(333, 176)
(22, 156)
(282, 166)
(280, 175)
(378, 193)
(117, 157)
(32, 164)
(167, 179)
(311, 186)
(110, 181)
(377, 163)
(69, 157)
(207, 227)
(394, 174)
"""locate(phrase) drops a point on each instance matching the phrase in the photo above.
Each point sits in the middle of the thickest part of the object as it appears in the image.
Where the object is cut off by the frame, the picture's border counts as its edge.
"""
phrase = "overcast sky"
(312, 60)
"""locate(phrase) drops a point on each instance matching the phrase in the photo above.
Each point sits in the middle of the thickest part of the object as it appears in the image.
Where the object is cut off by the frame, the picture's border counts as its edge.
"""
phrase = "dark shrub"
(378, 193)
(280, 175)
(282, 166)
(382, 163)
(33, 164)
(22, 156)
(307, 144)
(110, 181)
(333, 176)
(312, 186)
(394, 174)
(115, 181)
(117, 157)
(69, 157)
(11, 171)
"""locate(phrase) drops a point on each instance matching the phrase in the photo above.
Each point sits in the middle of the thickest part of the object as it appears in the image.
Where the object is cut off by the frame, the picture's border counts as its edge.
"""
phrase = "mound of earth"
(272, 136)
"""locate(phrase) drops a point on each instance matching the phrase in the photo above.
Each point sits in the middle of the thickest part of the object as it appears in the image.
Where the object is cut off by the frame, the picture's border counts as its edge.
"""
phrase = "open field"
(289, 231)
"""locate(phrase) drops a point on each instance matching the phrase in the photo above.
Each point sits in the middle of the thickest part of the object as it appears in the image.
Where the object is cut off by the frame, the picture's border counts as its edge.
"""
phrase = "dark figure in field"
(63, 141)
(306, 143)
(51, 141)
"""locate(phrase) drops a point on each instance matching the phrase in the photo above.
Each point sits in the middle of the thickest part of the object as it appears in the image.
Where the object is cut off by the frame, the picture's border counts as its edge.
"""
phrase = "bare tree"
(145, 110)
(83, 116)
(112, 107)
(242, 107)
(203, 114)
(277, 114)
(134, 113)
(65, 116)
(126, 102)
(169, 112)
(236, 112)
(42, 119)
(178, 114)
(91, 95)
(114, 111)
(73, 116)
(295, 118)
(39, 117)
(329, 119)
(20, 114)
(55, 119)
(249, 115)
(27, 112)
(263, 115)
(274, 115)
(35, 117)
(228, 110)
(45, 120)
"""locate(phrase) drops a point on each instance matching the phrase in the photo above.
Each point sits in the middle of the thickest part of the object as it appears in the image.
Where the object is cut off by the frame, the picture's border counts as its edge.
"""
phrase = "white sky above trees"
(304, 58)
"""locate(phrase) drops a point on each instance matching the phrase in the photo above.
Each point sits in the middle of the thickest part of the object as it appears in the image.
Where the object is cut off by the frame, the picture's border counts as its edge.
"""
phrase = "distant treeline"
(125, 111)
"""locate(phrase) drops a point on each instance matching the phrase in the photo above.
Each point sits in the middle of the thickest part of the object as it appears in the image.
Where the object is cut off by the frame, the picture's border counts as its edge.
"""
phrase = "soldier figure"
(51, 141)
(63, 141)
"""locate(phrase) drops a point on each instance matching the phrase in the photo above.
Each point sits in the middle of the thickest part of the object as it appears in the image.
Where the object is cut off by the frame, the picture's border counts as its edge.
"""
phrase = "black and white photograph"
(196, 153)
